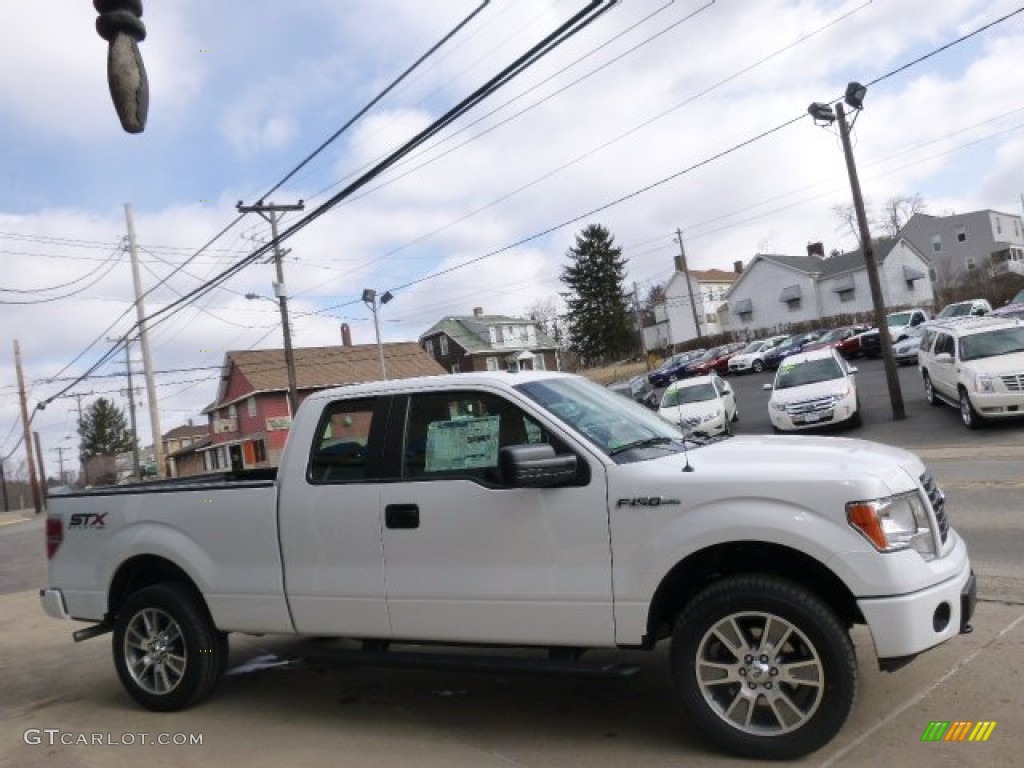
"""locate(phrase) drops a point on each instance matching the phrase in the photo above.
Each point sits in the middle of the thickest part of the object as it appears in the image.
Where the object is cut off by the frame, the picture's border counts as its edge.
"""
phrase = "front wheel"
(929, 390)
(968, 415)
(167, 652)
(758, 366)
(763, 667)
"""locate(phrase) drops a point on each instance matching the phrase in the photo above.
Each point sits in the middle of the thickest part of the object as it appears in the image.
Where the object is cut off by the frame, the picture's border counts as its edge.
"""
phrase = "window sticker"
(466, 443)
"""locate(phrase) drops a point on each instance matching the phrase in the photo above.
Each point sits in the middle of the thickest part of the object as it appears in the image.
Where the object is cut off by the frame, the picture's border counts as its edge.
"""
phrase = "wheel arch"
(705, 566)
(143, 571)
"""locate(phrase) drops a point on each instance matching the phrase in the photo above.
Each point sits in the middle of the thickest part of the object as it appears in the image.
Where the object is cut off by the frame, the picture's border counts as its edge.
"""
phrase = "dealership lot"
(279, 705)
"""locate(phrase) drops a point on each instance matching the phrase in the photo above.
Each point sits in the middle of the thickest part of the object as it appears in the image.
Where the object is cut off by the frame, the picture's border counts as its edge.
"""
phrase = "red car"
(844, 340)
(719, 364)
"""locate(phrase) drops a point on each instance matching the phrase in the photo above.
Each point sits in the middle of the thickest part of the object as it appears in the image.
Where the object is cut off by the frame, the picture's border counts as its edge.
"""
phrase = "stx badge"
(89, 520)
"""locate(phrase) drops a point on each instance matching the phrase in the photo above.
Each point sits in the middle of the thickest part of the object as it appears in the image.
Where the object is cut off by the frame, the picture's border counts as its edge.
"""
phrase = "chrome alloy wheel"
(154, 651)
(760, 674)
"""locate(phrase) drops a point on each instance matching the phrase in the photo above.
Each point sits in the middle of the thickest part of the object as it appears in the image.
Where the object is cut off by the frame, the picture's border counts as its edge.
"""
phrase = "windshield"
(608, 421)
(900, 318)
(956, 310)
(753, 346)
(992, 343)
(698, 393)
(808, 372)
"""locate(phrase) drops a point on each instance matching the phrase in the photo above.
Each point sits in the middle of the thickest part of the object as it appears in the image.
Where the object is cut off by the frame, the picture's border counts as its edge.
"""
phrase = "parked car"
(812, 389)
(845, 340)
(975, 364)
(718, 363)
(788, 347)
(701, 404)
(636, 388)
(899, 324)
(905, 352)
(1010, 310)
(751, 357)
(971, 308)
(669, 370)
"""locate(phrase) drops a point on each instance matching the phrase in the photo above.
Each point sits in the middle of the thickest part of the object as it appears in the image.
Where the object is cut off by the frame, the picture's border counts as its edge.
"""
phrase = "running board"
(469, 663)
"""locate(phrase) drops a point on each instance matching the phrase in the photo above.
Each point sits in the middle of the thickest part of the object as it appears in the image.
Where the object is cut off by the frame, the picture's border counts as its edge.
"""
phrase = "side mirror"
(766, 387)
(536, 466)
(853, 370)
(944, 357)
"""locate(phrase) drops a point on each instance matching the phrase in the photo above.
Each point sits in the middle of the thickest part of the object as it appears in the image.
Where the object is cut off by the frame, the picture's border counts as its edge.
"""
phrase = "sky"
(659, 115)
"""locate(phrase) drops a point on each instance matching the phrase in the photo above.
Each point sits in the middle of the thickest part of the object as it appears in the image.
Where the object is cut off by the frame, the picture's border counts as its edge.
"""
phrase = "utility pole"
(639, 324)
(689, 284)
(26, 423)
(83, 480)
(60, 461)
(44, 487)
(147, 362)
(270, 213)
(136, 473)
(884, 337)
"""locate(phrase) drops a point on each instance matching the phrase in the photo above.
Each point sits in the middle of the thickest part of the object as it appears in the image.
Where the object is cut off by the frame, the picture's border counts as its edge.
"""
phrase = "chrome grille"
(938, 501)
(811, 406)
(1013, 382)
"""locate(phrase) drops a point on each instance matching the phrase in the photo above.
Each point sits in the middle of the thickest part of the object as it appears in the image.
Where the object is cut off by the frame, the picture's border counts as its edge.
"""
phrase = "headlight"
(842, 393)
(894, 523)
(983, 383)
(710, 417)
(777, 406)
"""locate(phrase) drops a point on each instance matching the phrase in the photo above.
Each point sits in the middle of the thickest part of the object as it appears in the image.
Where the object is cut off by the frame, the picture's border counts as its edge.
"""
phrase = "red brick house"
(480, 342)
(250, 418)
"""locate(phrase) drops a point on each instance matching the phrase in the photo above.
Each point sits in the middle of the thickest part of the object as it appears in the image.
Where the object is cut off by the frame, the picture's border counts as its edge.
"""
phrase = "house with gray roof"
(480, 342)
(960, 243)
(777, 291)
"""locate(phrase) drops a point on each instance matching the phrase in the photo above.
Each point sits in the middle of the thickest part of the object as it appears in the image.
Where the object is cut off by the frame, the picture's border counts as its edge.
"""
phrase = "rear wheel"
(758, 366)
(764, 667)
(167, 652)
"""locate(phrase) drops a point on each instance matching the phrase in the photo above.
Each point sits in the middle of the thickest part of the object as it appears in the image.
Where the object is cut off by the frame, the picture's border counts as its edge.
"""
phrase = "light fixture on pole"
(373, 301)
(823, 114)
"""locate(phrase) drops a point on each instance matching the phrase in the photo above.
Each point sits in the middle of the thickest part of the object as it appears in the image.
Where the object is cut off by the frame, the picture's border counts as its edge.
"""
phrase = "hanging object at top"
(120, 24)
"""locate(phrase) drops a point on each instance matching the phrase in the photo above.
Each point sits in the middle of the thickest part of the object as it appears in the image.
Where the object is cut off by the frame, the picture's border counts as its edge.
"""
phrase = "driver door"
(468, 557)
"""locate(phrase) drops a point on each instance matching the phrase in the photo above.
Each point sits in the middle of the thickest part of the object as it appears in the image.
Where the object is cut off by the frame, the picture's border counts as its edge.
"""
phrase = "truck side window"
(460, 434)
(340, 449)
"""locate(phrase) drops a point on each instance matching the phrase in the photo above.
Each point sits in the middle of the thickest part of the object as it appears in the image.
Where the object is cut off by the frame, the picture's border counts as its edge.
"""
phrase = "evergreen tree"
(597, 317)
(104, 431)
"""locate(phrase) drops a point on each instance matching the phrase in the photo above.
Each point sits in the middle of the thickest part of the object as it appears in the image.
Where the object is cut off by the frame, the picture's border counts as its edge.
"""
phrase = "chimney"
(478, 311)
(737, 267)
(346, 335)
(816, 249)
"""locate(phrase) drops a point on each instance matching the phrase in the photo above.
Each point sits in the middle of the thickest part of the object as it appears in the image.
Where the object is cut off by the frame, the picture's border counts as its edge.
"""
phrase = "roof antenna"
(679, 413)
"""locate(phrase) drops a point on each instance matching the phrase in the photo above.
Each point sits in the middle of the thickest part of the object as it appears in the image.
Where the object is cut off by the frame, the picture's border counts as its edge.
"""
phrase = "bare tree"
(897, 211)
(545, 312)
(846, 219)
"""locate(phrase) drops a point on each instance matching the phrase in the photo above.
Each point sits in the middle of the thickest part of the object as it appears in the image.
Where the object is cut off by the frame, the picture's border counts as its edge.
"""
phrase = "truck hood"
(798, 468)
(998, 365)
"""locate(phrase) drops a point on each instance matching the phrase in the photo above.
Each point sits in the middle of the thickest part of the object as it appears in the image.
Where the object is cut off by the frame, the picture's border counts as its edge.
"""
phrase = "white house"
(962, 242)
(776, 291)
(673, 317)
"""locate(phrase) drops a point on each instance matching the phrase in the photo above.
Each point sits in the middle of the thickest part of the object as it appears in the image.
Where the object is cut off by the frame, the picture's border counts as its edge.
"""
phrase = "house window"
(847, 296)
(970, 263)
(444, 346)
(492, 363)
(710, 319)
(538, 362)
(232, 411)
(937, 243)
(251, 405)
(910, 285)
(259, 451)
(1016, 227)
(961, 234)
(455, 368)
(747, 317)
(428, 345)
(794, 305)
(999, 226)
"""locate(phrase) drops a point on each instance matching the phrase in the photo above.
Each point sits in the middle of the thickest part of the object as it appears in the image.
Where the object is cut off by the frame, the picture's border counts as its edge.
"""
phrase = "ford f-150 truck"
(531, 509)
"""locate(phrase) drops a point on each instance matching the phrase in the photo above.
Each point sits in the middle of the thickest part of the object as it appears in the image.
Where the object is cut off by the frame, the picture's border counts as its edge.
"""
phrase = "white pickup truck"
(534, 510)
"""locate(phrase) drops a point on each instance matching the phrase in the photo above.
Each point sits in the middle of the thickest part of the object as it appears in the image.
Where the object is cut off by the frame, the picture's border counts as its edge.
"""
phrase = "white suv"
(975, 364)
(813, 389)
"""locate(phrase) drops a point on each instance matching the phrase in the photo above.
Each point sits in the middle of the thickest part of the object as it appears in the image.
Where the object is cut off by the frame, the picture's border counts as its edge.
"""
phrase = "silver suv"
(975, 364)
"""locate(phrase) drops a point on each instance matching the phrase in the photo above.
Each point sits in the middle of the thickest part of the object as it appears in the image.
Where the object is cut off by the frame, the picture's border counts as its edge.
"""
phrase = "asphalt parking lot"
(278, 705)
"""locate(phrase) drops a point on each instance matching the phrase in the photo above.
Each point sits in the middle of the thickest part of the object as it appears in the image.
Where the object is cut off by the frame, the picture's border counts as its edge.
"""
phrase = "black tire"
(815, 661)
(727, 428)
(968, 415)
(736, 415)
(167, 652)
(758, 366)
(929, 390)
(856, 420)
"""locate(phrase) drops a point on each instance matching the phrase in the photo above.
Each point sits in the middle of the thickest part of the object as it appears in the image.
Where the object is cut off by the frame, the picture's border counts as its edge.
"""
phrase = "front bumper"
(993, 405)
(906, 625)
(53, 603)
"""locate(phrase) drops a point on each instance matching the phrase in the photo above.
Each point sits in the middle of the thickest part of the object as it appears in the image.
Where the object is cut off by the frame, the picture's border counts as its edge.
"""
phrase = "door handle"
(402, 516)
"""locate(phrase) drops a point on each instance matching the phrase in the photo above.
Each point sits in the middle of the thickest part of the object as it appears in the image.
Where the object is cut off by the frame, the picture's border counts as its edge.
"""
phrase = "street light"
(823, 114)
(373, 301)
